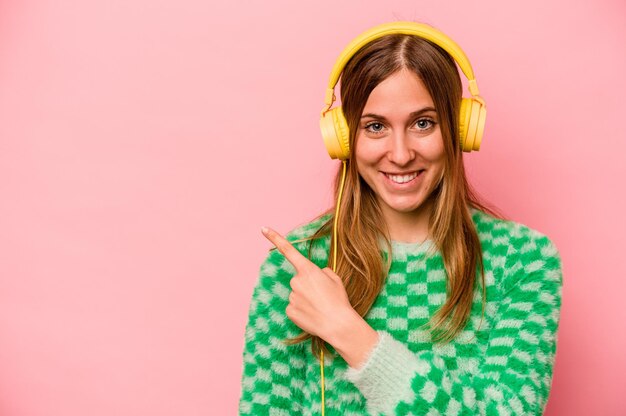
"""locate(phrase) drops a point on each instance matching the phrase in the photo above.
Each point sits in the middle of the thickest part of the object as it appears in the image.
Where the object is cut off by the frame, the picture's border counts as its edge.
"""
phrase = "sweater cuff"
(385, 377)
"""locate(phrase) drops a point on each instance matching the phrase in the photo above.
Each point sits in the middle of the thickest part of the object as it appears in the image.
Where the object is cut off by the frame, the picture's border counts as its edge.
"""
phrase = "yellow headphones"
(473, 111)
(335, 129)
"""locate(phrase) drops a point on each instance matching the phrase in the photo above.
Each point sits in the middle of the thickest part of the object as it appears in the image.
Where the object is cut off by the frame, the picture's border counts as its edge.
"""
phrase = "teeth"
(402, 178)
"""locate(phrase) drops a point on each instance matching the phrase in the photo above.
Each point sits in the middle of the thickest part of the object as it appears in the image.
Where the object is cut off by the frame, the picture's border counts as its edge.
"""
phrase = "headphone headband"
(405, 27)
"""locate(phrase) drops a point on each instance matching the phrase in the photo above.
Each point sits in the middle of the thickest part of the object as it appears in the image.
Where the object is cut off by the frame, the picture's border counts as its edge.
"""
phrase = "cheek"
(365, 165)
(436, 151)
(440, 166)
(364, 155)
(436, 155)
(365, 171)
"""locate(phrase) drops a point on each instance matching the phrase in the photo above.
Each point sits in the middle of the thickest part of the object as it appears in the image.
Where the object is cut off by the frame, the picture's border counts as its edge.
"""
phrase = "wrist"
(353, 338)
(342, 323)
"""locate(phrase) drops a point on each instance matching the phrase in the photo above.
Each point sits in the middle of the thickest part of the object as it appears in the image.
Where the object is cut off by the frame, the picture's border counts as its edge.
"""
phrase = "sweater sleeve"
(515, 371)
(273, 373)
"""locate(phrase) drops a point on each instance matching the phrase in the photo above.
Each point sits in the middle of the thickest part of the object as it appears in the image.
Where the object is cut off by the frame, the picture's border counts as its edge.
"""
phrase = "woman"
(434, 304)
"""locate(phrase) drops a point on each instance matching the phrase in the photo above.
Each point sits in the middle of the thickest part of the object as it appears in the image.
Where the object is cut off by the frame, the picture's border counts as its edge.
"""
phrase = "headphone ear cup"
(464, 118)
(336, 134)
(480, 124)
(471, 124)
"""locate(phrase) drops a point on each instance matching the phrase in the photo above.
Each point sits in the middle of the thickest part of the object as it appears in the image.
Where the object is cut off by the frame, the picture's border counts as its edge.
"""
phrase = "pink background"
(144, 143)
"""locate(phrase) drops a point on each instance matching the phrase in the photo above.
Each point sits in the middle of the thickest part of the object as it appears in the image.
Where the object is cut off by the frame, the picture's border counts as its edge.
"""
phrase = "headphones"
(333, 124)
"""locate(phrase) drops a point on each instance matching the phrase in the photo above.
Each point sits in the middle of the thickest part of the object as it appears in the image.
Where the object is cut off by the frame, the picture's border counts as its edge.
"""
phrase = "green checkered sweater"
(502, 367)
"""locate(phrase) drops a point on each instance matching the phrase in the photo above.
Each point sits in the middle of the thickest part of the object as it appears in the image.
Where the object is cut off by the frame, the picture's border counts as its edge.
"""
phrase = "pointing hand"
(318, 302)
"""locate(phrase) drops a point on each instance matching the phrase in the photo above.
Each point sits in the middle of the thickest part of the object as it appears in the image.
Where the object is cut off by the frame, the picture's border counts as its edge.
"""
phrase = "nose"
(400, 151)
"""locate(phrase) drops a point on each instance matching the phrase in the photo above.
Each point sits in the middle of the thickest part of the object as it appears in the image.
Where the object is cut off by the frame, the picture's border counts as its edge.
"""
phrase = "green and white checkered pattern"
(502, 366)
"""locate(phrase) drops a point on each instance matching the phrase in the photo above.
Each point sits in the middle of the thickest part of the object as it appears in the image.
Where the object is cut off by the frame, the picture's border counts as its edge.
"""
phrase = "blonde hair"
(360, 222)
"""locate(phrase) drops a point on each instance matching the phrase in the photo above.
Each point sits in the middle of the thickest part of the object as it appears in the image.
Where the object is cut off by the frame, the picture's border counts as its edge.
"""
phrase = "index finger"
(289, 251)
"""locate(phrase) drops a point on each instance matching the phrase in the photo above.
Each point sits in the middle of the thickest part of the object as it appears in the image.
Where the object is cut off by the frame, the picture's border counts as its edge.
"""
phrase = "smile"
(401, 179)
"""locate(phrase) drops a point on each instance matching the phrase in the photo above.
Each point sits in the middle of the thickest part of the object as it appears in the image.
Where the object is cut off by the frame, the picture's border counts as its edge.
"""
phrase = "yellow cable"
(343, 177)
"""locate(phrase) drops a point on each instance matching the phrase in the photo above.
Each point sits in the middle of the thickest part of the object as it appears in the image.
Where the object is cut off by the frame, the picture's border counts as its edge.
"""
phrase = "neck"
(408, 227)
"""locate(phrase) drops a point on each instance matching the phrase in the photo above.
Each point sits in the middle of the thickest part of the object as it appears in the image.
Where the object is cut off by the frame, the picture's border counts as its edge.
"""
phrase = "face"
(399, 148)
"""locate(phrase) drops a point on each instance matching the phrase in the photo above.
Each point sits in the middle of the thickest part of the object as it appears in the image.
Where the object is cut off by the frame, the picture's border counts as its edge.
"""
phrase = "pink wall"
(143, 144)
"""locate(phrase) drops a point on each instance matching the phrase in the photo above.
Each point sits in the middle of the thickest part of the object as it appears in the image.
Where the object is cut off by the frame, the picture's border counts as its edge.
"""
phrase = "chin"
(405, 208)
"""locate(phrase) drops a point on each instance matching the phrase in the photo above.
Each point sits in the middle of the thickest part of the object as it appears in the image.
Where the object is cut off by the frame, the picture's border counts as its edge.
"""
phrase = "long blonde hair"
(360, 222)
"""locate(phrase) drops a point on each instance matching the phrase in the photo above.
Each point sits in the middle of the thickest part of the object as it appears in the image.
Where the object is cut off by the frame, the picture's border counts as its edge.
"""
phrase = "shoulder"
(301, 238)
(518, 249)
(307, 229)
(493, 231)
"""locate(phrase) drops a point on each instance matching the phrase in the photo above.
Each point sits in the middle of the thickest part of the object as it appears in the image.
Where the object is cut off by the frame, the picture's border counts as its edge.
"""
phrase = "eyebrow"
(413, 114)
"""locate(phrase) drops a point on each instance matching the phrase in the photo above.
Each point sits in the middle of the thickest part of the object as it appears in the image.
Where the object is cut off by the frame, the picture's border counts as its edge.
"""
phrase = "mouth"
(403, 178)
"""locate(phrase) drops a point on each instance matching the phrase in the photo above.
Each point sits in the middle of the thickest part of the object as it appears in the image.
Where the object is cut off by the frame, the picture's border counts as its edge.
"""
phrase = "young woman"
(410, 296)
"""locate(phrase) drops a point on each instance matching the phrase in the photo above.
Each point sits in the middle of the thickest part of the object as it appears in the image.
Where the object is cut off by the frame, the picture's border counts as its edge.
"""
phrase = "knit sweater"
(500, 366)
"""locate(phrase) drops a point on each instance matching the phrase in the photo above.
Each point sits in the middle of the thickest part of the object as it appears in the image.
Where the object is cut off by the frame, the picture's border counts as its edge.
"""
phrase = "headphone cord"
(343, 178)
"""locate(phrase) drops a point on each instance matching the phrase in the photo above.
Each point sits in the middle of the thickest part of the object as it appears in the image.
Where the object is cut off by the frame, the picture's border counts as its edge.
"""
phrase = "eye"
(424, 123)
(374, 127)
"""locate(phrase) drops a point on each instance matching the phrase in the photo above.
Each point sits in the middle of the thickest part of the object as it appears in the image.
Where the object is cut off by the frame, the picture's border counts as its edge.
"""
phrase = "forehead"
(400, 93)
